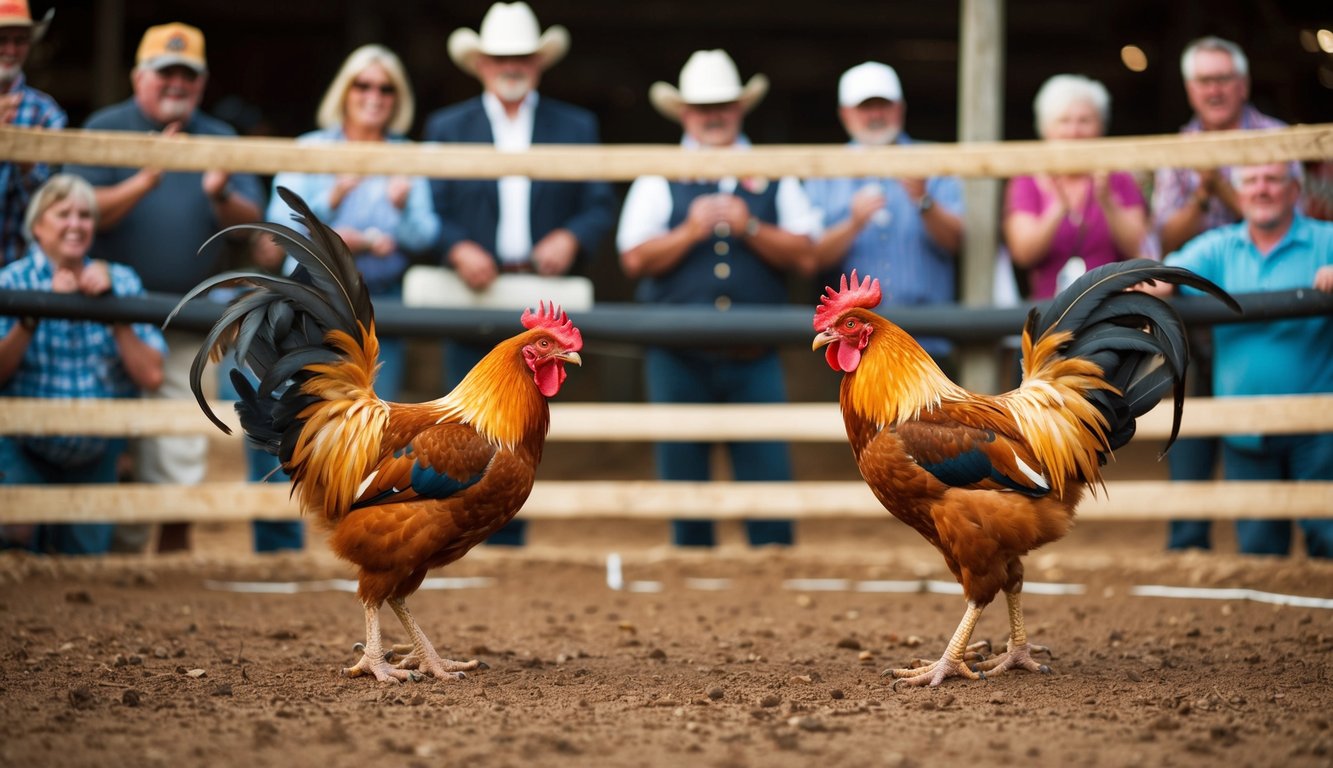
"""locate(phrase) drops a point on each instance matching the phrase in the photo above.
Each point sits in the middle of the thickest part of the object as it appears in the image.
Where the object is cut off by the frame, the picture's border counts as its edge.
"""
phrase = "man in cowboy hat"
(720, 244)
(513, 224)
(24, 106)
(155, 221)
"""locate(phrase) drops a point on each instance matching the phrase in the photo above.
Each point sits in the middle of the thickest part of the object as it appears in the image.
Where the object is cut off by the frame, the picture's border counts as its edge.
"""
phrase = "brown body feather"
(901, 411)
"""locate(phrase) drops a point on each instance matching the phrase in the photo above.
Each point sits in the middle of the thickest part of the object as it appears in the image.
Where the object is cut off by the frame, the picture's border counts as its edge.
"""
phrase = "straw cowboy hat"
(509, 29)
(709, 77)
(15, 13)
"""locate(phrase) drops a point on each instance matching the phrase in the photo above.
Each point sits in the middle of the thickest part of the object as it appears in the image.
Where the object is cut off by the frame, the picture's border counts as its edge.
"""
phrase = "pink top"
(1095, 246)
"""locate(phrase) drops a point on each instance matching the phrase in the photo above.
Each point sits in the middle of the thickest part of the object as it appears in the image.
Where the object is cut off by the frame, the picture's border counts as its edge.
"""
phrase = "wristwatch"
(751, 226)
(925, 203)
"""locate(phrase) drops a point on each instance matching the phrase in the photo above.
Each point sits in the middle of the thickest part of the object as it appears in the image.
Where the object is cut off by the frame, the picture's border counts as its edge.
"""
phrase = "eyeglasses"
(1211, 80)
(385, 89)
(16, 39)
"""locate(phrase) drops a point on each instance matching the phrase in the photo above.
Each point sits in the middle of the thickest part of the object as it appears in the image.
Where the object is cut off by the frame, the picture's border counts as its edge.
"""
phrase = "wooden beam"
(653, 500)
(593, 422)
(625, 162)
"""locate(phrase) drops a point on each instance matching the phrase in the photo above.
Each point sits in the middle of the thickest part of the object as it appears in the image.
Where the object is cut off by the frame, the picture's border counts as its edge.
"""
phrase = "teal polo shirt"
(1279, 357)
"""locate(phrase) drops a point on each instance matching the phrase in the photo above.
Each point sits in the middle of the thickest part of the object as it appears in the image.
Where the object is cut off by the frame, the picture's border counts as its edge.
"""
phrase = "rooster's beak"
(823, 339)
(570, 357)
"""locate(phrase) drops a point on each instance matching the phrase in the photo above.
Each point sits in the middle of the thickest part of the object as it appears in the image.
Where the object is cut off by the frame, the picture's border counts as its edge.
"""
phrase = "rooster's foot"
(1016, 657)
(381, 669)
(932, 674)
(427, 660)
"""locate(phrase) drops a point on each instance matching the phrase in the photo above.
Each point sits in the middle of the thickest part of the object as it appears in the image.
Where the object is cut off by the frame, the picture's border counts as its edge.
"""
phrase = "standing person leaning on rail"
(1187, 202)
(513, 224)
(66, 358)
(1058, 227)
(906, 232)
(719, 244)
(155, 221)
(1273, 248)
(22, 106)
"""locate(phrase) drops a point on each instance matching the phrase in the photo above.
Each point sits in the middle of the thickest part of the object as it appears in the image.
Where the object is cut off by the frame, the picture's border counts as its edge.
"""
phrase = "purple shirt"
(1095, 244)
(1173, 187)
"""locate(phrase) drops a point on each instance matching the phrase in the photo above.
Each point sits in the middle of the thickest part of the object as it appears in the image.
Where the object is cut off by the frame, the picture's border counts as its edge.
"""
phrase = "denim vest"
(720, 270)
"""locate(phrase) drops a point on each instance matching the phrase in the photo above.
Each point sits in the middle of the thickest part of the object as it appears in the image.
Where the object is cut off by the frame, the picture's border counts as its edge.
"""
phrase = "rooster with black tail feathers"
(987, 479)
(402, 488)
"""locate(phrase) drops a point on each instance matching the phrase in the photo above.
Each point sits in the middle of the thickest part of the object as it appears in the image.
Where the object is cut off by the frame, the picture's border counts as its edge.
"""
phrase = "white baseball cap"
(870, 80)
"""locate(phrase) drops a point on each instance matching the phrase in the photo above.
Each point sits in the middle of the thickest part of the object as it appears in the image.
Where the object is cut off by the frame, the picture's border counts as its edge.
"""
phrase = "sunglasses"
(385, 89)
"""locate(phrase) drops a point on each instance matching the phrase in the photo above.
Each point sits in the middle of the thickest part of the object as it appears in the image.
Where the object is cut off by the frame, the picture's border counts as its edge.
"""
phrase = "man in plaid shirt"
(25, 106)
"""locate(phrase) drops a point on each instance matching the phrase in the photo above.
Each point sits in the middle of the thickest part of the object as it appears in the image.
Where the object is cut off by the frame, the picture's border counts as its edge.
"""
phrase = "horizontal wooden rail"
(652, 500)
(626, 162)
(595, 422)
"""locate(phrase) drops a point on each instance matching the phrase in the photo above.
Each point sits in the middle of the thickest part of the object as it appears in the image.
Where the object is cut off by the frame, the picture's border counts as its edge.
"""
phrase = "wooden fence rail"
(551, 500)
(624, 162)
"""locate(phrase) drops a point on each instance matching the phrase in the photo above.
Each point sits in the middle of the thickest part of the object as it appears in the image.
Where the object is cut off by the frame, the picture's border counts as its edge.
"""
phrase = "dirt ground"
(730, 658)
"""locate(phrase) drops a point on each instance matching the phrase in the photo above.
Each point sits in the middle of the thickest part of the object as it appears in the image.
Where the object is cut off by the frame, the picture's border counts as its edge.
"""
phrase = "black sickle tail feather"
(1137, 339)
(278, 327)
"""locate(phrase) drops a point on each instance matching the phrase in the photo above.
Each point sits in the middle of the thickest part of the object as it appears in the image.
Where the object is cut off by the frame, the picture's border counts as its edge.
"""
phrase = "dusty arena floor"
(734, 658)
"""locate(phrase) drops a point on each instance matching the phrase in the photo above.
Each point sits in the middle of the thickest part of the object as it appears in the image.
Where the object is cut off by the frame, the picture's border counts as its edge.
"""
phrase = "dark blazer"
(469, 209)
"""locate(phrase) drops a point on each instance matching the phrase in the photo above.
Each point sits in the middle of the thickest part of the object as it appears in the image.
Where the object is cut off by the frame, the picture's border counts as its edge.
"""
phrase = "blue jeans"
(1191, 458)
(20, 467)
(1282, 457)
(261, 466)
(684, 376)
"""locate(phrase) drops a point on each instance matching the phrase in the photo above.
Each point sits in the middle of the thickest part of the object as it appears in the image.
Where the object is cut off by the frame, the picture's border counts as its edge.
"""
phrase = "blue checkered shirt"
(36, 110)
(70, 358)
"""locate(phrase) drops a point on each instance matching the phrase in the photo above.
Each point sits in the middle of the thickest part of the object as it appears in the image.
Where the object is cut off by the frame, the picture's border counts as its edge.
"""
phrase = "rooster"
(402, 488)
(987, 479)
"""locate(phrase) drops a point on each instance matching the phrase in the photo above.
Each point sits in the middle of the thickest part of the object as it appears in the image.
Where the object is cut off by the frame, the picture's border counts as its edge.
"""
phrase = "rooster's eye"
(851, 323)
(544, 343)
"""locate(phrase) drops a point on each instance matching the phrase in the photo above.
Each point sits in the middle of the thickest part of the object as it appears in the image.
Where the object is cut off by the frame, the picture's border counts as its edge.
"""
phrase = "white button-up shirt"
(513, 234)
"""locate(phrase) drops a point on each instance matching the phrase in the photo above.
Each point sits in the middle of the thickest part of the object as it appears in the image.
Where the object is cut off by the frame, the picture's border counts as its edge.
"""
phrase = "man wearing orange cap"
(24, 106)
(155, 221)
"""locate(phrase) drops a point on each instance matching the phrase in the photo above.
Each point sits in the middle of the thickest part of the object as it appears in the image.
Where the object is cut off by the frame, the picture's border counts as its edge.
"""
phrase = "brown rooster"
(988, 479)
(403, 488)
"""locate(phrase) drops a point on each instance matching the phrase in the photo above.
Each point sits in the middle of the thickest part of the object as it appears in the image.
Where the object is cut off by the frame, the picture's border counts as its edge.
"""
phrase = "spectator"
(1274, 247)
(1058, 227)
(23, 106)
(61, 358)
(383, 219)
(156, 221)
(513, 224)
(1187, 202)
(906, 232)
(717, 244)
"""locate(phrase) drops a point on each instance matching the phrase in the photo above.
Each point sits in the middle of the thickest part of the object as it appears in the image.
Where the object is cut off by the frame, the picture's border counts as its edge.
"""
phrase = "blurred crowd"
(720, 243)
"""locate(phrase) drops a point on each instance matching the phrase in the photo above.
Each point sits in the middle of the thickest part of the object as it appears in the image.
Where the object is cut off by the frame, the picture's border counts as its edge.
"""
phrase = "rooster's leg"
(1019, 653)
(951, 664)
(372, 658)
(423, 655)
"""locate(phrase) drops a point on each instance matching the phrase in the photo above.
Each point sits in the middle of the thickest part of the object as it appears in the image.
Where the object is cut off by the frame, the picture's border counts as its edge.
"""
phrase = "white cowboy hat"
(709, 77)
(509, 29)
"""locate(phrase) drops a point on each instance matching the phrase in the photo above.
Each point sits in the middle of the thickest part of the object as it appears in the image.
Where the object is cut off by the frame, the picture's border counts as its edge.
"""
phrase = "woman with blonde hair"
(383, 219)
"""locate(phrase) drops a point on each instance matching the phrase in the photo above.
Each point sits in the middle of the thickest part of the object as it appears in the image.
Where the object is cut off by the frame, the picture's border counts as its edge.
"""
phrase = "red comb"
(833, 303)
(552, 318)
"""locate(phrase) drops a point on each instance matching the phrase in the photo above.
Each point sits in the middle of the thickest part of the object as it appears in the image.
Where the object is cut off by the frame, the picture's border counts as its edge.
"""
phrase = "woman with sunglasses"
(383, 219)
